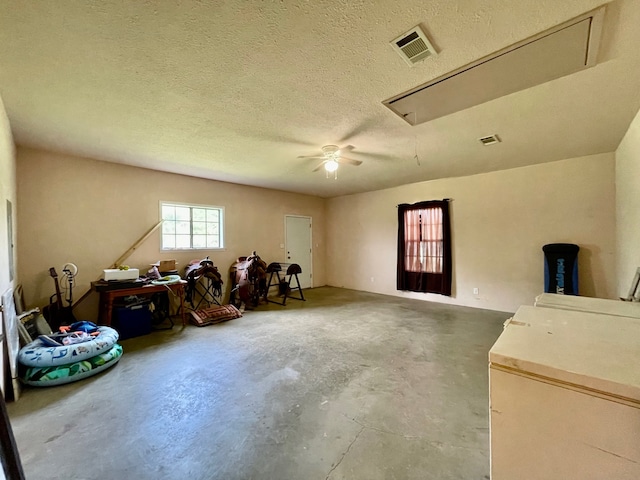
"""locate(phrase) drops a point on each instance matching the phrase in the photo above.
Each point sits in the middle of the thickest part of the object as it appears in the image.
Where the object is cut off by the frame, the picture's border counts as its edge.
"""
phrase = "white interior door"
(298, 246)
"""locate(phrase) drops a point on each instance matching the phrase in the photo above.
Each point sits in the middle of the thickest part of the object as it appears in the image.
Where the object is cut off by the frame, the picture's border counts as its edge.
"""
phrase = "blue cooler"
(132, 320)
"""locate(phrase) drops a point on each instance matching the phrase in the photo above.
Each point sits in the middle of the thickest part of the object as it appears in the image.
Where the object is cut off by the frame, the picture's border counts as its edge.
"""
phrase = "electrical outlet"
(476, 291)
(372, 279)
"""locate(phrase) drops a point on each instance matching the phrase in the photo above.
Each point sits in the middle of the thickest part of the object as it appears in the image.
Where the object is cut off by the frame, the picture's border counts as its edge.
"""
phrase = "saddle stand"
(207, 291)
(285, 287)
(204, 285)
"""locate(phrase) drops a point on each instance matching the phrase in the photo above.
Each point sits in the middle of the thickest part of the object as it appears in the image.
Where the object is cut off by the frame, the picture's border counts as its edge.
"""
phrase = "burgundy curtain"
(424, 247)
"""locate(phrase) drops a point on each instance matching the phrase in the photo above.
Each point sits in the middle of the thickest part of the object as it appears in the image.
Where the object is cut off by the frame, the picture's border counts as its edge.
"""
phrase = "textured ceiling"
(236, 91)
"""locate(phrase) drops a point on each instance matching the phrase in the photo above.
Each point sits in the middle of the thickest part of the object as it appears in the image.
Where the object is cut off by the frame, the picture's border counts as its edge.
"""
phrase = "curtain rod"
(443, 200)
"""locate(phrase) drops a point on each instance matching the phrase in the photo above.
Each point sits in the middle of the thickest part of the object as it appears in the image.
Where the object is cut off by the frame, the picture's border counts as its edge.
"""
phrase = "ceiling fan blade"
(347, 148)
(350, 161)
(356, 130)
(310, 156)
(319, 166)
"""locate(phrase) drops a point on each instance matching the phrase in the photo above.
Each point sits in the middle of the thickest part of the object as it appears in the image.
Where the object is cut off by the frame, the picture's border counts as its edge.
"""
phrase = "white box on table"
(116, 274)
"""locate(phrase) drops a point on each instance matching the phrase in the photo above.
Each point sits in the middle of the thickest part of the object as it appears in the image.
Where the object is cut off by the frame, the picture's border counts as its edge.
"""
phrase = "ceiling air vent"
(413, 46)
(490, 140)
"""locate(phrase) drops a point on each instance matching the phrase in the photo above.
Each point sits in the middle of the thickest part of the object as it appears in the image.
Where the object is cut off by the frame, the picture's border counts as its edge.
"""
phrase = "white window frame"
(191, 206)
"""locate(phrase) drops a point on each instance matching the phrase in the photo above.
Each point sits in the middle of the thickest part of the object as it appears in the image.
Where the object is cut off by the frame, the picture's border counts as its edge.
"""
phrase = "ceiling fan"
(331, 158)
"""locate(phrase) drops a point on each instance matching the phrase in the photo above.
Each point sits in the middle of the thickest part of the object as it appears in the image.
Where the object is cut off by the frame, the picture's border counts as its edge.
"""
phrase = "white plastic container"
(116, 274)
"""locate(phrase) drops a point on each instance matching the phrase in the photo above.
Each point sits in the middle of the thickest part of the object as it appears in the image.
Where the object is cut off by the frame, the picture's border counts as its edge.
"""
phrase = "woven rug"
(209, 316)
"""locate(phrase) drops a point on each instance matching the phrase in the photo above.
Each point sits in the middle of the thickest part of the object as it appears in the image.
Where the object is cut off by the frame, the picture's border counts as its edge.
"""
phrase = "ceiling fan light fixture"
(331, 166)
(330, 150)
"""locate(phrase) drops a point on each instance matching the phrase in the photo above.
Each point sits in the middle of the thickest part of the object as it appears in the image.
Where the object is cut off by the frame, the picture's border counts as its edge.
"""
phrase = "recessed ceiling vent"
(490, 140)
(413, 46)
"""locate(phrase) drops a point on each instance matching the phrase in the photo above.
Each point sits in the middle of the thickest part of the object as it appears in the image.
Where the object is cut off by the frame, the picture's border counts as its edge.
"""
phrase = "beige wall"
(7, 192)
(500, 222)
(90, 212)
(628, 207)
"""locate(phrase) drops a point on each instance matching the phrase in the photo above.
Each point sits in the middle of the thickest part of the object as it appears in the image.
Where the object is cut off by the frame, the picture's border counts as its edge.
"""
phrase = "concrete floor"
(348, 385)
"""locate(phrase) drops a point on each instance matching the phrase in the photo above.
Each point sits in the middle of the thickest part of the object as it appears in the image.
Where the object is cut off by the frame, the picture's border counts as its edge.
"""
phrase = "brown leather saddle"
(248, 280)
(207, 275)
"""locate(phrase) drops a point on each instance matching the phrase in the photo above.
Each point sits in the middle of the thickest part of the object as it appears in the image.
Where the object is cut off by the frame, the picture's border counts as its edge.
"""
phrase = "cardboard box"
(167, 265)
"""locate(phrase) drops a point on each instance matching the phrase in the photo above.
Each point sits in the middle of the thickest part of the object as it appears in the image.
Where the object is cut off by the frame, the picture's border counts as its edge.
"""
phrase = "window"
(424, 247)
(191, 227)
(423, 240)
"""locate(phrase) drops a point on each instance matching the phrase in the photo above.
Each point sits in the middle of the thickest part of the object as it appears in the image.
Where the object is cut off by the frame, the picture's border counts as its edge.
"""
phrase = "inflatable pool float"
(166, 280)
(61, 374)
(38, 354)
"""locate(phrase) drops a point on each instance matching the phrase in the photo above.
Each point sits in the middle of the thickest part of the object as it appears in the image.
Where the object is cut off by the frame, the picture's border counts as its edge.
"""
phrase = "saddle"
(248, 279)
(197, 270)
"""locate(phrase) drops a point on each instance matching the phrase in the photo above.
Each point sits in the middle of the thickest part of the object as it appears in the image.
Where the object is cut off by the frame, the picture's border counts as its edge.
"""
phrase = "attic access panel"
(559, 51)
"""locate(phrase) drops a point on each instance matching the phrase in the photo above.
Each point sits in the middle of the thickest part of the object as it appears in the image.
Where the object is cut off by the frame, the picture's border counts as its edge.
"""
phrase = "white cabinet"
(565, 396)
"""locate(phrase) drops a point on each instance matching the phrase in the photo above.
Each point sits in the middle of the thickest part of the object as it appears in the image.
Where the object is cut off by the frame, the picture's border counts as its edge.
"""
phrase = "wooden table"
(108, 295)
